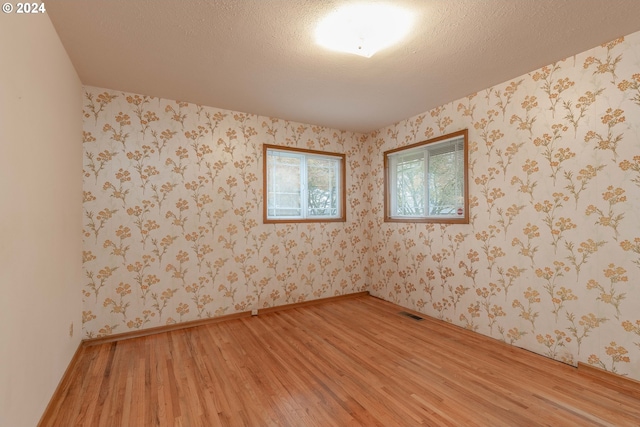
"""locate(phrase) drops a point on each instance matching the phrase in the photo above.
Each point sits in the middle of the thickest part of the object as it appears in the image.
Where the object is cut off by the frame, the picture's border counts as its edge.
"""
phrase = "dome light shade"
(363, 29)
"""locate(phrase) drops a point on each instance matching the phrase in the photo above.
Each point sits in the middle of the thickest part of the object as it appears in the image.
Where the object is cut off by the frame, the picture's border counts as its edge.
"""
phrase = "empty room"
(306, 213)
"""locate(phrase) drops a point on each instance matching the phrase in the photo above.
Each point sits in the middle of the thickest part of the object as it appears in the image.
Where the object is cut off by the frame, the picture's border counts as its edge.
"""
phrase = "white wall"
(40, 215)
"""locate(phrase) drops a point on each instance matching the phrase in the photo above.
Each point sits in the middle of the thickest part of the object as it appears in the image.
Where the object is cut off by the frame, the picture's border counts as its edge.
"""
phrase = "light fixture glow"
(363, 29)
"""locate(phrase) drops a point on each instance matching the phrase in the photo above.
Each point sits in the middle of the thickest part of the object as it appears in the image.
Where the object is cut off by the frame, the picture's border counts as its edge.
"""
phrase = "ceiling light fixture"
(363, 29)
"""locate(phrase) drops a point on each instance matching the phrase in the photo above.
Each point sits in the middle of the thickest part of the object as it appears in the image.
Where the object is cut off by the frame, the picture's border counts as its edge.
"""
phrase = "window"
(303, 185)
(427, 181)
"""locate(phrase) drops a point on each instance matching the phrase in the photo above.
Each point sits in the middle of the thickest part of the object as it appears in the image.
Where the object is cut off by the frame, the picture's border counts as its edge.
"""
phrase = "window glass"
(284, 172)
(427, 181)
(303, 185)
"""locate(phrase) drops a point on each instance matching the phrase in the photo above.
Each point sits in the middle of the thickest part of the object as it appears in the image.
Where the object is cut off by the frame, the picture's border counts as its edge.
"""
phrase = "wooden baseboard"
(50, 409)
(608, 376)
(211, 320)
(312, 302)
(164, 328)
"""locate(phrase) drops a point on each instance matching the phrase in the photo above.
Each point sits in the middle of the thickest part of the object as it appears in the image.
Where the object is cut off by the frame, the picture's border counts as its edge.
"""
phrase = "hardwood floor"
(353, 362)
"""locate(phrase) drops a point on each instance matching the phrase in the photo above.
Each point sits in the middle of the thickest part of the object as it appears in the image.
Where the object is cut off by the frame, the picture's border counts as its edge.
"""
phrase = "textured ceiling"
(259, 56)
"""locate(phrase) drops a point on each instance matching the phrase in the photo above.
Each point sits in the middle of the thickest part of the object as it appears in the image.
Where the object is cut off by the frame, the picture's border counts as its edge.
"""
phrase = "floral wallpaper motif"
(173, 215)
(551, 259)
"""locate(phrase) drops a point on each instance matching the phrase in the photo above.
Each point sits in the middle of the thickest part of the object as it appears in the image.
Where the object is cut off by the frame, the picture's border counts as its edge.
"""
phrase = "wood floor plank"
(353, 362)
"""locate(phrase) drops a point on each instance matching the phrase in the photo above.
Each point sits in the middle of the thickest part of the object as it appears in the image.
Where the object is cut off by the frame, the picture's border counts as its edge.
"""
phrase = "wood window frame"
(342, 217)
(464, 218)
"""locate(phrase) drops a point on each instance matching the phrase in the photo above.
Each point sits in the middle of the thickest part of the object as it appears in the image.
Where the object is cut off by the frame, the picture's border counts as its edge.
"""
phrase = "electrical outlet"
(254, 312)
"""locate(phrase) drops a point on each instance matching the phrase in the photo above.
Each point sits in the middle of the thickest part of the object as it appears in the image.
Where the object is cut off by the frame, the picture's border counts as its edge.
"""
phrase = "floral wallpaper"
(549, 262)
(173, 226)
(551, 259)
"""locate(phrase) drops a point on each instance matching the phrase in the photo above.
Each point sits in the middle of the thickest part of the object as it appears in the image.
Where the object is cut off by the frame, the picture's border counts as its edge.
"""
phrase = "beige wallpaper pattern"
(173, 215)
(551, 259)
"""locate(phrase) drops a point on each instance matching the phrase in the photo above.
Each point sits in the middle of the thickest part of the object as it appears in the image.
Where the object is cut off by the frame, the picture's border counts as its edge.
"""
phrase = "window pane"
(284, 196)
(445, 185)
(446, 189)
(426, 181)
(303, 185)
(322, 186)
(410, 185)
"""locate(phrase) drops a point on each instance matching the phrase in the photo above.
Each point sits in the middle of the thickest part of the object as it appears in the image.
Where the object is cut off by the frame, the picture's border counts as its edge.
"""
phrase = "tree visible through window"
(427, 181)
(303, 185)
